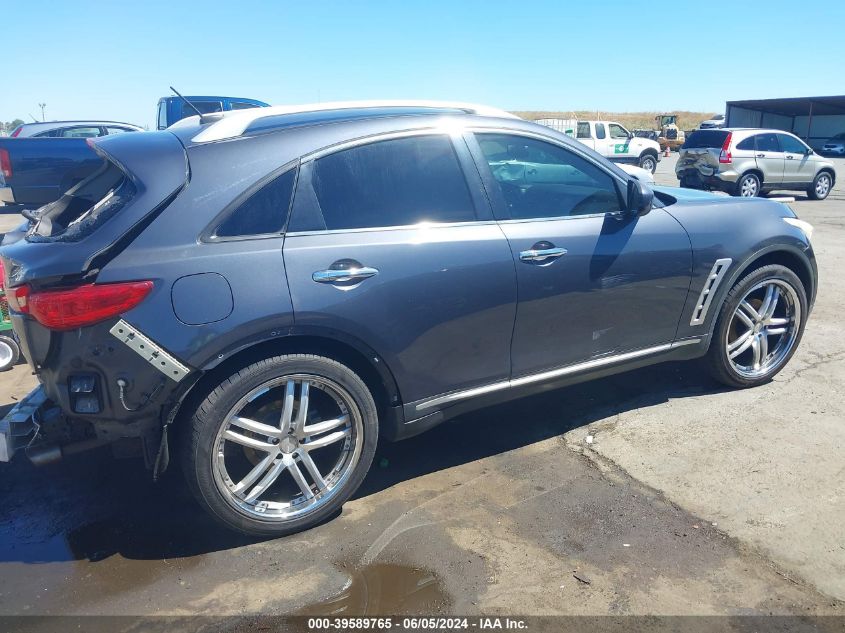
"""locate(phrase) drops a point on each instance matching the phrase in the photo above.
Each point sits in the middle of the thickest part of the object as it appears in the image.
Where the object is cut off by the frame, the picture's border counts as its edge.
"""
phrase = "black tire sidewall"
(720, 365)
(653, 160)
(811, 192)
(15, 349)
(198, 447)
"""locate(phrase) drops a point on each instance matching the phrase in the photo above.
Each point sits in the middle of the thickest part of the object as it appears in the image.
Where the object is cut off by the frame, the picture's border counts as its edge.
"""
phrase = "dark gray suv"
(262, 295)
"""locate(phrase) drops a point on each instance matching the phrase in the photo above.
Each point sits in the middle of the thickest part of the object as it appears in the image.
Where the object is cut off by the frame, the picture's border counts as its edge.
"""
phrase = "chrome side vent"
(717, 273)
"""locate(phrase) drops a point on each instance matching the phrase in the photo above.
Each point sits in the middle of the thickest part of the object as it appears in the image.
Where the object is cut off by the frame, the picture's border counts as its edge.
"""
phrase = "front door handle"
(542, 254)
(788, 157)
(761, 156)
(333, 276)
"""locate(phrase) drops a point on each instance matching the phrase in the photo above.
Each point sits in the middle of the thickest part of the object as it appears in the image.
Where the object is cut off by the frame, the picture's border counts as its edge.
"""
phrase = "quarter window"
(542, 180)
(600, 133)
(747, 144)
(264, 212)
(397, 182)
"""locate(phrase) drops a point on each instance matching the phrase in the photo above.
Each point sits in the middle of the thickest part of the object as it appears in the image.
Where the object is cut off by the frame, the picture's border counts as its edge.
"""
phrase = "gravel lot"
(690, 500)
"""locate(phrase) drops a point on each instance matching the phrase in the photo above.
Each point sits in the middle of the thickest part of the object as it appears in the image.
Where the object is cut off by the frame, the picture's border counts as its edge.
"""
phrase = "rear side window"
(205, 107)
(767, 143)
(264, 212)
(600, 130)
(81, 132)
(706, 139)
(747, 144)
(583, 129)
(398, 182)
(240, 105)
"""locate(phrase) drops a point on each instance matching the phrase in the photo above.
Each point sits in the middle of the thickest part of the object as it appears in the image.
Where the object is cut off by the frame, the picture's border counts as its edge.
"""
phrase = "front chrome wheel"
(822, 187)
(287, 447)
(763, 329)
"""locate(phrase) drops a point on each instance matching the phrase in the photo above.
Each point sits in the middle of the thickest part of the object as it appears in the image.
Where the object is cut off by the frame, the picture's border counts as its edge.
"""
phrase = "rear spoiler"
(157, 165)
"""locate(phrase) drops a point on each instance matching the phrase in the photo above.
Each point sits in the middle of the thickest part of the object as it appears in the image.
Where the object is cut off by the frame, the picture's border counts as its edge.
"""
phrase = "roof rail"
(234, 123)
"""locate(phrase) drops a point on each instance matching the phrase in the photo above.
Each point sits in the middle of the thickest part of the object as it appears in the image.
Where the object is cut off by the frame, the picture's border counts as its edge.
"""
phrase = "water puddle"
(385, 590)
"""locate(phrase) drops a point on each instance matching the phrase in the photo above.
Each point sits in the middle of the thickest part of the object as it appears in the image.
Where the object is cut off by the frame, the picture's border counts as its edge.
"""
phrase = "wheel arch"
(830, 171)
(359, 357)
(784, 255)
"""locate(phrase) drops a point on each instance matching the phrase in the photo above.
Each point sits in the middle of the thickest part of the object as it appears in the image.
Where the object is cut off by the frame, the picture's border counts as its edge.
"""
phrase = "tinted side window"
(398, 182)
(263, 212)
(600, 130)
(240, 105)
(767, 143)
(80, 132)
(747, 144)
(541, 180)
(791, 144)
(583, 129)
(205, 107)
(162, 115)
(117, 130)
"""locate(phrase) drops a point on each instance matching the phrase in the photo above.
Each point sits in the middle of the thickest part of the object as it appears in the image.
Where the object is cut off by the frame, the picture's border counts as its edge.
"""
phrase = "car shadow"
(92, 506)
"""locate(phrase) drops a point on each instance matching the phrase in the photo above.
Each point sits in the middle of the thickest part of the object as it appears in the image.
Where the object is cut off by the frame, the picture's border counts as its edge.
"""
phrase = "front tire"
(10, 352)
(759, 327)
(648, 162)
(280, 445)
(749, 186)
(822, 184)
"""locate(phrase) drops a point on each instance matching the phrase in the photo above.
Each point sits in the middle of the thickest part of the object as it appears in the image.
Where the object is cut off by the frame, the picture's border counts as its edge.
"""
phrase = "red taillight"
(71, 308)
(725, 154)
(5, 163)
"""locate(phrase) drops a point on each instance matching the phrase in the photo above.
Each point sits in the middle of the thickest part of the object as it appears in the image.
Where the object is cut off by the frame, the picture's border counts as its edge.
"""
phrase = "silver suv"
(750, 161)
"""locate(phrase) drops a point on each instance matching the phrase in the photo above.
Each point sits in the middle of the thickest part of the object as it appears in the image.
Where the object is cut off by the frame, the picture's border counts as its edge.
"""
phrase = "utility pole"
(42, 106)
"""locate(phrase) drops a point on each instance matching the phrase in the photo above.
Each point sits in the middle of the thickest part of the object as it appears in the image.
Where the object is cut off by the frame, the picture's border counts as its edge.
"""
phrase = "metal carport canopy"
(795, 106)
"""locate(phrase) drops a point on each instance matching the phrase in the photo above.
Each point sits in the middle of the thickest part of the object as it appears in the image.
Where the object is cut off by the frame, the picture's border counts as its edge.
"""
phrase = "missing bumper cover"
(149, 351)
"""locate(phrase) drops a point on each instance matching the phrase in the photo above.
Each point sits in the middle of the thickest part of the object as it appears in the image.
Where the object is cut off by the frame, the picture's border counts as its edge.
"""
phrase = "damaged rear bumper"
(19, 428)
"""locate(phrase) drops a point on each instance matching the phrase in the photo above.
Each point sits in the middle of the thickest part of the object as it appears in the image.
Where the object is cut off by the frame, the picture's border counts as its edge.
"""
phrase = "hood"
(705, 199)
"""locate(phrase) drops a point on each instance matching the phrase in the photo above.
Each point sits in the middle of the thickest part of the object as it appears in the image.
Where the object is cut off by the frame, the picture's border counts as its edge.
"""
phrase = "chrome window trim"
(447, 129)
(711, 283)
(577, 368)
(404, 227)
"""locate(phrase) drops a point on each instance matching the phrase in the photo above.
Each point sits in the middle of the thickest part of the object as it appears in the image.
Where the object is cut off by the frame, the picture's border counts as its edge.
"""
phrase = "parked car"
(173, 109)
(73, 129)
(718, 121)
(835, 145)
(750, 162)
(611, 140)
(316, 287)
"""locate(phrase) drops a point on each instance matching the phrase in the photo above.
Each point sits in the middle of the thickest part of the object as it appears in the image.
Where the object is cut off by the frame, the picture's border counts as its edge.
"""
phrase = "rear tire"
(822, 184)
(259, 475)
(10, 352)
(738, 356)
(749, 186)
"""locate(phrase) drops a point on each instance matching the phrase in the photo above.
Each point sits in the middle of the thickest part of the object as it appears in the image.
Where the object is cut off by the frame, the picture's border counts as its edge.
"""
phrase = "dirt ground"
(690, 500)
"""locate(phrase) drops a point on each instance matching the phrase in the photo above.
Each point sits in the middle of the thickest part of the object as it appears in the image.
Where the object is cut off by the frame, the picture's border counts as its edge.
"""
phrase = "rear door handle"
(547, 255)
(761, 156)
(331, 276)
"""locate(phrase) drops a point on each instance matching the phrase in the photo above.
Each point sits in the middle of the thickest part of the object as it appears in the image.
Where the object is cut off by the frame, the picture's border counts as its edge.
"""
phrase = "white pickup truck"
(609, 139)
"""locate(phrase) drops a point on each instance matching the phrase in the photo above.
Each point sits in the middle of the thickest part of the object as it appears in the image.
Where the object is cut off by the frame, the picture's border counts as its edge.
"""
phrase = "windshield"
(705, 138)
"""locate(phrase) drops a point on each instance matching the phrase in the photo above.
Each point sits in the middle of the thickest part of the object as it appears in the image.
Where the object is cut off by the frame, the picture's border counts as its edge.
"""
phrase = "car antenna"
(193, 107)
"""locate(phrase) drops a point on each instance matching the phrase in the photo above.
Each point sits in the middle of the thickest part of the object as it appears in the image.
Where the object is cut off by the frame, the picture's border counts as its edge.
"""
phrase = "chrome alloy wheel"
(6, 355)
(763, 329)
(822, 185)
(749, 187)
(287, 447)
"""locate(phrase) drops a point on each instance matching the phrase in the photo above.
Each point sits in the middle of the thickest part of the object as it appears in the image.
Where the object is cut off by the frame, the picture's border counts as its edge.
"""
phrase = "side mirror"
(640, 198)
(630, 135)
(809, 151)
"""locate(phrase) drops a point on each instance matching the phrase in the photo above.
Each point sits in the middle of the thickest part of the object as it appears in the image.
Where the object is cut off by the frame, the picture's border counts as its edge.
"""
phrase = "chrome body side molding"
(578, 368)
(717, 274)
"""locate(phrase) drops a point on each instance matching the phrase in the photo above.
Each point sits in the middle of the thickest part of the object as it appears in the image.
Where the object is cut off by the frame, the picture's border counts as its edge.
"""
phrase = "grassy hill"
(631, 120)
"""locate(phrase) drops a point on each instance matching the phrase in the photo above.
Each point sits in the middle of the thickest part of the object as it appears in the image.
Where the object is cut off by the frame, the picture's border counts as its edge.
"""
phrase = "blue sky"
(113, 60)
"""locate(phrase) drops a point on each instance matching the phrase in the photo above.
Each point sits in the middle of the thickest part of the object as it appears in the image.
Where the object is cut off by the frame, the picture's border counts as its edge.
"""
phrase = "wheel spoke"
(254, 474)
(302, 411)
(267, 481)
(312, 469)
(325, 440)
(774, 331)
(767, 310)
(749, 311)
(744, 346)
(287, 407)
(293, 467)
(249, 442)
(741, 340)
(777, 321)
(255, 427)
(764, 347)
(755, 349)
(326, 425)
